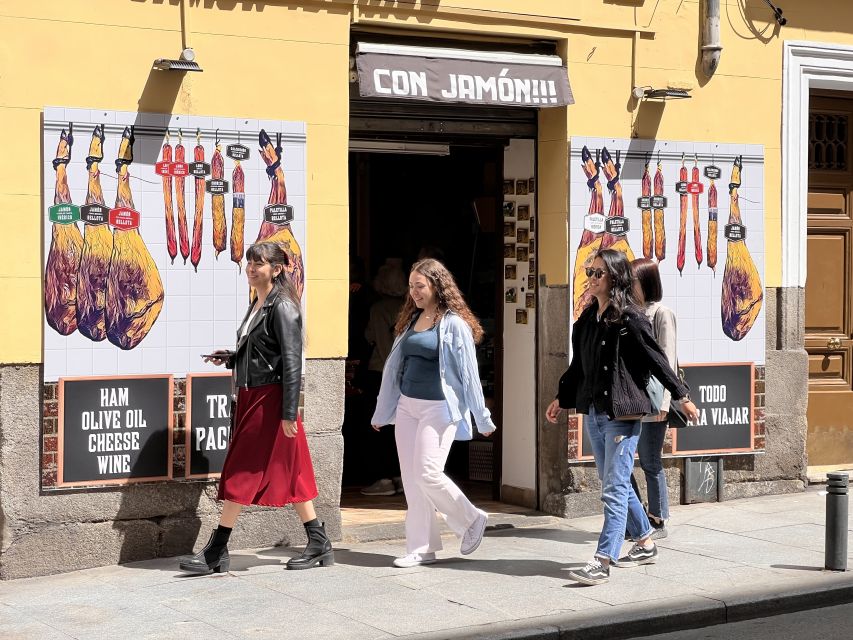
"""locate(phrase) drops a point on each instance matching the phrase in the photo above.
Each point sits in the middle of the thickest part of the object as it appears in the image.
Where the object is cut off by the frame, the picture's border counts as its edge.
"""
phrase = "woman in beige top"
(648, 292)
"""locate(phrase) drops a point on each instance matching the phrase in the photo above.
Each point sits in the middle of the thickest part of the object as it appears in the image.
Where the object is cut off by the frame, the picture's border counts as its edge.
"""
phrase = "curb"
(662, 615)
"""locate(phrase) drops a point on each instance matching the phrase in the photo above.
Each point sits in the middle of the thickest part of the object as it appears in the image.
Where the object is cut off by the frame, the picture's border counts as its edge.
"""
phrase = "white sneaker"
(383, 487)
(414, 560)
(474, 535)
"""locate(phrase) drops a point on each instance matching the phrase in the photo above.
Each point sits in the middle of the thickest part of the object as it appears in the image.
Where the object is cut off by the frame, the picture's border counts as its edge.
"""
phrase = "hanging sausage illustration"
(682, 221)
(591, 237)
(180, 199)
(742, 293)
(615, 236)
(648, 232)
(97, 249)
(238, 214)
(697, 233)
(271, 228)
(198, 219)
(660, 230)
(66, 245)
(134, 288)
(712, 227)
(171, 242)
(220, 231)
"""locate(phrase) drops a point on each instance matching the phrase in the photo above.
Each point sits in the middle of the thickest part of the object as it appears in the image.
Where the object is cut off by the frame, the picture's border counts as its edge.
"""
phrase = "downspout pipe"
(711, 47)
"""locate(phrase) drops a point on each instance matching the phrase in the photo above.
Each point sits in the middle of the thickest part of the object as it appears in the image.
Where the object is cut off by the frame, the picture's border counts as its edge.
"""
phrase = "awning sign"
(382, 75)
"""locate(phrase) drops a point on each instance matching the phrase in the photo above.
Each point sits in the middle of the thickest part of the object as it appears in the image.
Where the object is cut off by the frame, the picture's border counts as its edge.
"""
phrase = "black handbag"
(676, 418)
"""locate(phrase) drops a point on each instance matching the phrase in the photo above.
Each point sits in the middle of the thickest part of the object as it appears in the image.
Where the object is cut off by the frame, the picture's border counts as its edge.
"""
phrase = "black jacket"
(624, 357)
(271, 352)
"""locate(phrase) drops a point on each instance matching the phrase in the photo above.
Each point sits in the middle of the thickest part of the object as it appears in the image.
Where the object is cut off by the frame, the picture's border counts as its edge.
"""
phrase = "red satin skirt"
(263, 466)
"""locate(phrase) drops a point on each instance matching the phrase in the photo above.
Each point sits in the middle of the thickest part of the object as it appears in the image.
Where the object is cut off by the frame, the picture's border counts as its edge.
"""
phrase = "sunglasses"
(597, 273)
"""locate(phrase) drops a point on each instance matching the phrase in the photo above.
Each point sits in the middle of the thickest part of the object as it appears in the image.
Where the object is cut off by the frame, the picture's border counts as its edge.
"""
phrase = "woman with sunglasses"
(613, 354)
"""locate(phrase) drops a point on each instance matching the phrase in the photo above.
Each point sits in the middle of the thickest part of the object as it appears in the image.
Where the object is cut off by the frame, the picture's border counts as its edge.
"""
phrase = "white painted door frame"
(806, 65)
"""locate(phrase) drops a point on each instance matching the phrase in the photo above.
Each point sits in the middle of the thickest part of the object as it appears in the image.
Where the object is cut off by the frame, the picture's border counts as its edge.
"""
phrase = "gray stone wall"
(51, 531)
(572, 489)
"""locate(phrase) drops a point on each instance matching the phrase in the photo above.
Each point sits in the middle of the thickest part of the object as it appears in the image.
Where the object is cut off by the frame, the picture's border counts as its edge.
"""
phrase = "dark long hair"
(272, 253)
(448, 294)
(622, 299)
(648, 275)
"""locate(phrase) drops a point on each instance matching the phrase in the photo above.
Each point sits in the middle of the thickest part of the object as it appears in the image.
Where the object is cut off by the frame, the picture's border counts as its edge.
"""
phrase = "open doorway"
(443, 201)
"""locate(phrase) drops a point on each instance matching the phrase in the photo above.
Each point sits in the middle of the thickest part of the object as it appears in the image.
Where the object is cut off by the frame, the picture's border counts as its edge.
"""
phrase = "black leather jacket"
(271, 351)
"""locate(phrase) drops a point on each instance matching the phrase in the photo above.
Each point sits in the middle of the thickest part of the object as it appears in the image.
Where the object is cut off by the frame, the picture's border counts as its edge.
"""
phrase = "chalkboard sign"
(114, 430)
(208, 423)
(723, 394)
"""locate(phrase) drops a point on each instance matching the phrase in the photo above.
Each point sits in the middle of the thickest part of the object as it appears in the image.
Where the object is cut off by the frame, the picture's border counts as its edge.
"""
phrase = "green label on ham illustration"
(65, 213)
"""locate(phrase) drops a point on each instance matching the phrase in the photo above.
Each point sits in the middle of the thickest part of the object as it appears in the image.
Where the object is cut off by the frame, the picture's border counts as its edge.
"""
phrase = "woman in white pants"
(430, 388)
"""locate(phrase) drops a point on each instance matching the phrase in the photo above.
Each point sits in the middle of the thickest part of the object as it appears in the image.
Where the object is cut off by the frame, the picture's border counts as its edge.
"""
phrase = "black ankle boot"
(213, 558)
(319, 549)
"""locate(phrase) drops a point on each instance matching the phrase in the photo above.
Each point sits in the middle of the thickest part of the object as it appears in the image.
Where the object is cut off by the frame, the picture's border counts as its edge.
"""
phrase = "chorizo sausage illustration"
(220, 231)
(181, 200)
(238, 214)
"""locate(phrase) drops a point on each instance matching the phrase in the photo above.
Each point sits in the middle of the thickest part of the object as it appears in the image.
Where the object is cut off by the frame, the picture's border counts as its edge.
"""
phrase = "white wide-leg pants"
(424, 433)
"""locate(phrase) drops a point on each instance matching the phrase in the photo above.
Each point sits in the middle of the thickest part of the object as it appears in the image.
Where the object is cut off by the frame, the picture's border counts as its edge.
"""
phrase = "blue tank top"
(421, 375)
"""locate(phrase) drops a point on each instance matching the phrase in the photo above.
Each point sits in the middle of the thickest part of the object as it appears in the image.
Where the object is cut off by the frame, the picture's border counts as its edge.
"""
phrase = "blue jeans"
(614, 443)
(650, 448)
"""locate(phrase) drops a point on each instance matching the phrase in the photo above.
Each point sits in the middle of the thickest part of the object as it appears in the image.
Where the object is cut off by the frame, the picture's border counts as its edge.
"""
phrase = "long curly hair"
(448, 294)
(622, 301)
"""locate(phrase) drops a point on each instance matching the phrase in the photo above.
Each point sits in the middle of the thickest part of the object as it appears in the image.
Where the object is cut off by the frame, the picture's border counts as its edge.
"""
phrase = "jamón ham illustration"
(648, 239)
(742, 294)
(697, 233)
(171, 242)
(617, 205)
(712, 227)
(660, 230)
(682, 220)
(590, 240)
(181, 201)
(238, 214)
(134, 288)
(280, 233)
(220, 231)
(97, 251)
(198, 218)
(66, 246)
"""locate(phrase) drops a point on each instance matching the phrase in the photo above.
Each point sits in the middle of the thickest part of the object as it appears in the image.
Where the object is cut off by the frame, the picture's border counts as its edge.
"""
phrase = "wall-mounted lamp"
(648, 93)
(777, 14)
(185, 63)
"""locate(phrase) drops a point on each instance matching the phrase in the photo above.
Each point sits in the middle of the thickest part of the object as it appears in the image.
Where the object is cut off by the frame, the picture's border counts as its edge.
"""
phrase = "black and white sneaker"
(593, 573)
(638, 555)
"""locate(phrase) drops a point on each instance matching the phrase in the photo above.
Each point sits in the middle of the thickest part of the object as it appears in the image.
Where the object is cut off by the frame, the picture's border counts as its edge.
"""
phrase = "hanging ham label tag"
(278, 213)
(217, 186)
(658, 202)
(644, 202)
(179, 169)
(735, 232)
(199, 169)
(163, 168)
(695, 188)
(66, 213)
(712, 172)
(594, 222)
(617, 226)
(95, 214)
(124, 218)
(237, 152)
(681, 187)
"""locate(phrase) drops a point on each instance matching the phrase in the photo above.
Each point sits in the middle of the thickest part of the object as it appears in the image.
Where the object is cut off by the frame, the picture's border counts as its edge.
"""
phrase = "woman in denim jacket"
(430, 387)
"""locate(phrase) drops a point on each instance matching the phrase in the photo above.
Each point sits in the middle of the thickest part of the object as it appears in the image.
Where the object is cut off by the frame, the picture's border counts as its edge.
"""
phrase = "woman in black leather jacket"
(613, 354)
(268, 461)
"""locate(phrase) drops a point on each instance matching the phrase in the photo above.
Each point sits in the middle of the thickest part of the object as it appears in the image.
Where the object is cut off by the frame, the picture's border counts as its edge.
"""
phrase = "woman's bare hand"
(552, 413)
(690, 410)
(376, 427)
(289, 427)
(218, 361)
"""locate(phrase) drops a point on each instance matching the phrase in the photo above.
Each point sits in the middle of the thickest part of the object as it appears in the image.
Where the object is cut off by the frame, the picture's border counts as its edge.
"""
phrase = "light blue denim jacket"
(460, 379)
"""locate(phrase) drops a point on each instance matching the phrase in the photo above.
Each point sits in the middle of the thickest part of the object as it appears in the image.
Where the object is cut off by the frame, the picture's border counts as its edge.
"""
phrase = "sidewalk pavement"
(722, 562)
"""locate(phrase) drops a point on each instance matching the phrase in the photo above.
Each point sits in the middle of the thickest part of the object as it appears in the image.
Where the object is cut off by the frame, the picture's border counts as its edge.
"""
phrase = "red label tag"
(180, 168)
(695, 187)
(163, 168)
(124, 218)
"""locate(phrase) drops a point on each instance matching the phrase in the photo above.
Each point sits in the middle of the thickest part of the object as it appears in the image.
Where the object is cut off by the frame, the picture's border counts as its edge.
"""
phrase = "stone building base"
(52, 531)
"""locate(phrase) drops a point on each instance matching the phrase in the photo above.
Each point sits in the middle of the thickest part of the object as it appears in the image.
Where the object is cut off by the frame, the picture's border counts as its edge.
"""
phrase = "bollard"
(835, 550)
